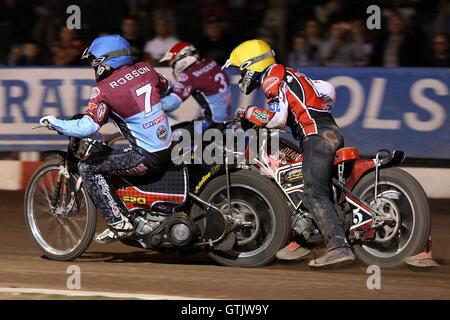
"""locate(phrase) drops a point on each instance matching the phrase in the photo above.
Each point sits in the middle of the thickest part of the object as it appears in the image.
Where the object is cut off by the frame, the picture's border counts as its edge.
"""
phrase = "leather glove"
(246, 124)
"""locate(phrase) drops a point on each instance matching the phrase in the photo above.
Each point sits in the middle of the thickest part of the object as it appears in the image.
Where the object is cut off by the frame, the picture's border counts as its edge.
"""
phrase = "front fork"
(377, 165)
(64, 208)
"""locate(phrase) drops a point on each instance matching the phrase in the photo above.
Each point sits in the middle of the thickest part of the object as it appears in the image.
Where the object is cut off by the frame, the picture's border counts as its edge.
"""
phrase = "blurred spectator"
(334, 11)
(215, 44)
(239, 25)
(155, 48)
(16, 17)
(342, 49)
(273, 17)
(216, 8)
(405, 8)
(439, 19)
(130, 31)
(31, 56)
(273, 26)
(168, 15)
(304, 54)
(400, 42)
(67, 51)
(28, 54)
(313, 31)
(397, 48)
(50, 15)
(100, 16)
(268, 36)
(191, 27)
(15, 54)
(340, 11)
(297, 11)
(440, 57)
(361, 33)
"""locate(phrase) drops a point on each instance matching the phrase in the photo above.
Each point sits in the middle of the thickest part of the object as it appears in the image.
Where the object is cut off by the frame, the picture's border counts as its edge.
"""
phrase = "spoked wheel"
(62, 228)
(402, 198)
(254, 199)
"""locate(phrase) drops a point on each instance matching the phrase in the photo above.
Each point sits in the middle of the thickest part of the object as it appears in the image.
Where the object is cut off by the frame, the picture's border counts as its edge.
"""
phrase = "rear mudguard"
(201, 175)
(363, 167)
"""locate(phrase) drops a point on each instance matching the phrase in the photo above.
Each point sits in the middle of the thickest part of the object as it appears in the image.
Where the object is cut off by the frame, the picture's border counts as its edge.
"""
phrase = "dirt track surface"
(118, 268)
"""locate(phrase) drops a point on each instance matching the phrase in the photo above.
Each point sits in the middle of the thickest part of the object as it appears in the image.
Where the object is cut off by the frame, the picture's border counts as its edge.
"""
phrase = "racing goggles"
(95, 62)
(251, 61)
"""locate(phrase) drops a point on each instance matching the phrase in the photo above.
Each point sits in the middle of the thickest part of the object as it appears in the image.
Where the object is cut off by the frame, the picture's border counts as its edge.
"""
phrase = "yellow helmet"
(252, 57)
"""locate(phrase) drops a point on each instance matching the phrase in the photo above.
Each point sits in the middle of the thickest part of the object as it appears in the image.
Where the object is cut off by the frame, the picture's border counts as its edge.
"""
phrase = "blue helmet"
(107, 53)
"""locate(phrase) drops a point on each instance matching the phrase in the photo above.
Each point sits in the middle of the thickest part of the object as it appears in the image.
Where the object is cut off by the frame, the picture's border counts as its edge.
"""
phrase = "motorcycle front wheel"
(58, 234)
(402, 197)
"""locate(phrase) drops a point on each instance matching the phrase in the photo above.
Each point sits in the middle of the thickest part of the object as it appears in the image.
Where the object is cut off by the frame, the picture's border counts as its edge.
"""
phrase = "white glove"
(47, 120)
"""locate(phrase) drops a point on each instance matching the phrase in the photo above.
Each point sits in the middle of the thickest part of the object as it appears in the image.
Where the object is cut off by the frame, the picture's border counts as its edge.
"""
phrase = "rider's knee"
(83, 168)
(308, 197)
(314, 195)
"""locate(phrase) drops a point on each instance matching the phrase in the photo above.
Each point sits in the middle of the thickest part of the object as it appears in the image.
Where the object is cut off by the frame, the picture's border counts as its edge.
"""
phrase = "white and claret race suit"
(209, 86)
(130, 97)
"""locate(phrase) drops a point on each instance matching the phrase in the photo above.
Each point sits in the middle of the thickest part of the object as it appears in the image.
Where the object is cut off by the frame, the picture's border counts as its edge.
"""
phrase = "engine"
(176, 230)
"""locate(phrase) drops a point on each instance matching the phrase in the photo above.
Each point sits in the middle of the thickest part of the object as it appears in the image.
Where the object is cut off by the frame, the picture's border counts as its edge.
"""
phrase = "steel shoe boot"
(292, 251)
(336, 257)
(121, 229)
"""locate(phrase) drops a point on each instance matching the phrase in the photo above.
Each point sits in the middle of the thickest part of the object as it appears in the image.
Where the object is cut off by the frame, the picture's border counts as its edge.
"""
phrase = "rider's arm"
(96, 115)
(326, 91)
(78, 128)
(275, 90)
(164, 84)
(273, 118)
(181, 90)
(171, 102)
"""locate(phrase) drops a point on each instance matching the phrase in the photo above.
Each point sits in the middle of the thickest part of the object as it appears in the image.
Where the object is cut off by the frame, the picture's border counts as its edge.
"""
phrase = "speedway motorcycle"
(238, 216)
(383, 209)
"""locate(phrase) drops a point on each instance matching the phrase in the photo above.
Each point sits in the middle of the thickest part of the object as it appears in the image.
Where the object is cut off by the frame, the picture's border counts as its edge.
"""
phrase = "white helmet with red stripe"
(180, 57)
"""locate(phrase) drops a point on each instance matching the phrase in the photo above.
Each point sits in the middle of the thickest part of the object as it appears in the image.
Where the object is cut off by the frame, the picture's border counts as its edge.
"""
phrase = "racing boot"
(335, 257)
(121, 229)
(423, 259)
(293, 251)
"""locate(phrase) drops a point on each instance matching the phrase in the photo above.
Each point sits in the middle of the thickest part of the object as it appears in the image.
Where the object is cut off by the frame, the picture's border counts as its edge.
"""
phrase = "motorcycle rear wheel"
(255, 198)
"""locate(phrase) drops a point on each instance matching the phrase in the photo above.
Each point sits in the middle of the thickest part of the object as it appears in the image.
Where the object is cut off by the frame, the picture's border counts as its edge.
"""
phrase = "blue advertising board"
(391, 108)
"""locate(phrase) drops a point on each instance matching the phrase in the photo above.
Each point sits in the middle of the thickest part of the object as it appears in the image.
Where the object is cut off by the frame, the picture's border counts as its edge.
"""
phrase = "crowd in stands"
(412, 33)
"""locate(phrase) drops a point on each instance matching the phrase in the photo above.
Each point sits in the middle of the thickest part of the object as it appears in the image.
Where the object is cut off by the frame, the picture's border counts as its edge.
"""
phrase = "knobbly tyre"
(383, 209)
(239, 216)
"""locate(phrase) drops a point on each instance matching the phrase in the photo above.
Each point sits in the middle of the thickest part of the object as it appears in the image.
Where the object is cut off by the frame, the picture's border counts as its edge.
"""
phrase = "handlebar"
(39, 126)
